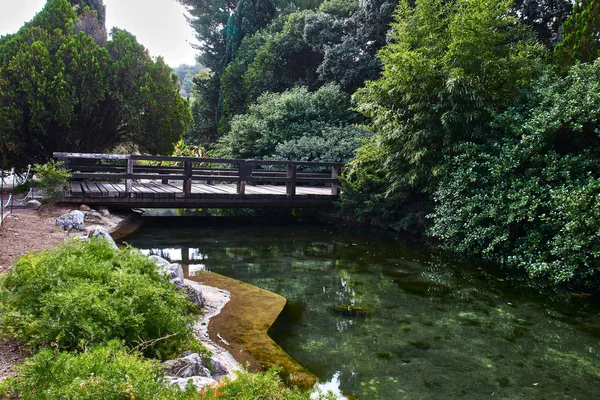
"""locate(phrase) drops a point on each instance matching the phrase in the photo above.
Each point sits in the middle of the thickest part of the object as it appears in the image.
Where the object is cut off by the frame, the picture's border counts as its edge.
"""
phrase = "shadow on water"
(392, 319)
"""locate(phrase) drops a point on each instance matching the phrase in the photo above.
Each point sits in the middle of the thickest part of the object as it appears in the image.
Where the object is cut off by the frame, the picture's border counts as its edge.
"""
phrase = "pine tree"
(581, 35)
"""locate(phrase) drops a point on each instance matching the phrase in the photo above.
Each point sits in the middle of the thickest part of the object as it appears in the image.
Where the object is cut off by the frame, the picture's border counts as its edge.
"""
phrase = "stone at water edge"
(175, 274)
(173, 271)
(99, 231)
(194, 294)
(186, 367)
(105, 212)
(92, 216)
(85, 207)
(71, 221)
(198, 381)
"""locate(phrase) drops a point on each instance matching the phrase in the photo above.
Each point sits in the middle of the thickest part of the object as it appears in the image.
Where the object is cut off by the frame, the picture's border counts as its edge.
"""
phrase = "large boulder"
(71, 221)
(99, 231)
(186, 367)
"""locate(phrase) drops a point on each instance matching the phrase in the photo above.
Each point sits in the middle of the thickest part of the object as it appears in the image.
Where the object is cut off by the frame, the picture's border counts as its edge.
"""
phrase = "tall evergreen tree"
(581, 34)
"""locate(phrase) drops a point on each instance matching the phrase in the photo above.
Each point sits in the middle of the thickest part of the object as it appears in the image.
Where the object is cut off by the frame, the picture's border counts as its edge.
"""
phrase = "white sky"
(159, 25)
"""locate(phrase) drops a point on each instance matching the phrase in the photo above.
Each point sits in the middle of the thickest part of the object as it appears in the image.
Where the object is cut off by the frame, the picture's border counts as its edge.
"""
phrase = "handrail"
(244, 173)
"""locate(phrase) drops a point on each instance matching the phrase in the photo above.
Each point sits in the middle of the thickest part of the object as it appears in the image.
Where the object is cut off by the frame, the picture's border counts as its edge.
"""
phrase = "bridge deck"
(125, 180)
(156, 194)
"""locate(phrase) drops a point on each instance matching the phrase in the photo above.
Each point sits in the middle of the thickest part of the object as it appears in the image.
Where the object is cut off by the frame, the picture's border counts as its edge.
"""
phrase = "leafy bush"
(366, 195)
(106, 372)
(531, 200)
(51, 178)
(286, 124)
(82, 293)
(249, 386)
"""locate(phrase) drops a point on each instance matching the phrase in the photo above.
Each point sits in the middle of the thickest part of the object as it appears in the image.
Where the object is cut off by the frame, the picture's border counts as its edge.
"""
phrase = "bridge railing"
(130, 167)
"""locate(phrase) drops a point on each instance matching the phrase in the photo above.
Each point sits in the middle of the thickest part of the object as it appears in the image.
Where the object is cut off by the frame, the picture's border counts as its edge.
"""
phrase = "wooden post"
(187, 183)
(128, 174)
(290, 184)
(245, 173)
(335, 173)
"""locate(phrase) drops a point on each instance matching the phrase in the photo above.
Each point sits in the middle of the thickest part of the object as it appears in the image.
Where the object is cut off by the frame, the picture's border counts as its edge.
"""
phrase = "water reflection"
(391, 320)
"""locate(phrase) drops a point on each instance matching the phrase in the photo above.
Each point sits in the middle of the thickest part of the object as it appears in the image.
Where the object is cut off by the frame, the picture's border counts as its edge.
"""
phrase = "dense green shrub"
(248, 386)
(109, 372)
(82, 293)
(532, 199)
(366, 195)
(106, 372)
(290, 124)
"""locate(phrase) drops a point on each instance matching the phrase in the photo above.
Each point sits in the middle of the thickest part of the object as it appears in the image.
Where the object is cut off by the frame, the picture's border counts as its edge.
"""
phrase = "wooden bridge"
(136, 181)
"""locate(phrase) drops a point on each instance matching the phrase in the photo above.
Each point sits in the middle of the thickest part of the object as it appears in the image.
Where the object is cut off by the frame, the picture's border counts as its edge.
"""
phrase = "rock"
(85, 207)
(71, 221)
(99, 231)
(173, 271)
(223, 364)
(198, 381)
(93, 217)
(186, 367)
(34, 204)
(105, 212)
(194, 294)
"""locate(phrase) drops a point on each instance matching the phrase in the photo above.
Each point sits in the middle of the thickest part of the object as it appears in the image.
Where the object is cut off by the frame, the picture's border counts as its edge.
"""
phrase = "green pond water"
(413, 323)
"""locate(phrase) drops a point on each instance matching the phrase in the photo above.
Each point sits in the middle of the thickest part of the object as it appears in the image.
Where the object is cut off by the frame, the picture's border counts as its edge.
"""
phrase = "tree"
(581, 35)
(545, 17)
(449, 68)
(61, 91)
(312, 126)
(349, 42)
(204, 97)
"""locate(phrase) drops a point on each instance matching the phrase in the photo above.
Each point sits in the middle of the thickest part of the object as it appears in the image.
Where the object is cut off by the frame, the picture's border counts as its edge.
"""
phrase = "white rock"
(198, 381)
(99, 231)
(71, 221)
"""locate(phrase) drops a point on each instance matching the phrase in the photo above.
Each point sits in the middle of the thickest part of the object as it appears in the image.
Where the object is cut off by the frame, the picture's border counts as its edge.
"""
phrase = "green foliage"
(204, 99)
(84, 293)
(531, 199)
(62, 91)
(256, 386)
(51, 178)
(185, 75)
(581, 35)
(260, 67)
(287, 124)
(450, 67)
(365, 195)
(109, 372)
(105, 372)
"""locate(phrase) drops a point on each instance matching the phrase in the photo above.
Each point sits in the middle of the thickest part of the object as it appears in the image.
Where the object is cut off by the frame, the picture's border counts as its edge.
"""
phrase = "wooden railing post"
(290, 184)
(244, 172)
(187, 182)
(128, 174)
(335, 173)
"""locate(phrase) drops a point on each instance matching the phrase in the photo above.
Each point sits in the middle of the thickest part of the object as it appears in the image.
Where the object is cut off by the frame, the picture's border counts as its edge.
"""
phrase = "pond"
(387, 318)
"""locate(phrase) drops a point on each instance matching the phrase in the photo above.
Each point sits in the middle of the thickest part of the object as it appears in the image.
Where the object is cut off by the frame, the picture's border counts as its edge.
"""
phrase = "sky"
(159, 25)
